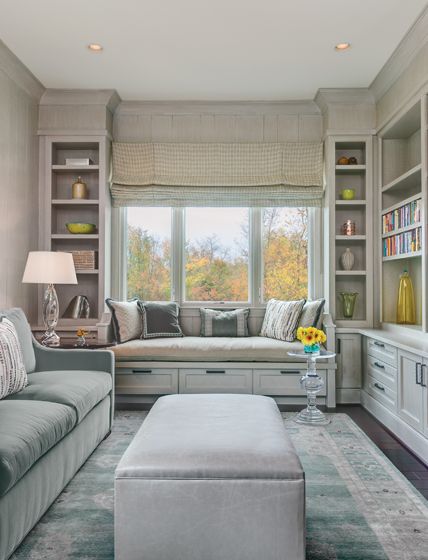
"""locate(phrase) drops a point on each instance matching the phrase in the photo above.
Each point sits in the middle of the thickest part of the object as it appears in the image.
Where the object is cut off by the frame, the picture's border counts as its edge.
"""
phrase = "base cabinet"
(216, 380)
(411, 389)
(348, 373)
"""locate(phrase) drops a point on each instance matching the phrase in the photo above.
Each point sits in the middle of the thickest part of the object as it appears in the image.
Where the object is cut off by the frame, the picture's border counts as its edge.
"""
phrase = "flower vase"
(348, 303)
(313, 349)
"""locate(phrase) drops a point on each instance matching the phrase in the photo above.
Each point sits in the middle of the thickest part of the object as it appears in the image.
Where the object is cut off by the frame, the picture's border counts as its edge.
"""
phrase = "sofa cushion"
(160, 319)
(216, 322)
(13, 377)
(127, 319)
(28, 429)
(281, 319)
(18, 318)
(212, 349)
(81, 390)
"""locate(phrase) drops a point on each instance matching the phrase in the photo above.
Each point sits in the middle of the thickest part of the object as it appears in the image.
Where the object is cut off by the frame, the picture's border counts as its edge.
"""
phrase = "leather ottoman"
(210, 477)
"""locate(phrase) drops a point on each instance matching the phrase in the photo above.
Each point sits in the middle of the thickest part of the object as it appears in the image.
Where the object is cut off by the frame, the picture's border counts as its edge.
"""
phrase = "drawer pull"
(142, 371)
(417, 371)
(380, 344)
(423, 370)
(379, 387)
(378, 365)
(222, 371)
(294, 371)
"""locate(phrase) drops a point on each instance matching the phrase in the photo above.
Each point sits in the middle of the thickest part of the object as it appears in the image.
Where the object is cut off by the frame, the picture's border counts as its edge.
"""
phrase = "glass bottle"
(406, 309)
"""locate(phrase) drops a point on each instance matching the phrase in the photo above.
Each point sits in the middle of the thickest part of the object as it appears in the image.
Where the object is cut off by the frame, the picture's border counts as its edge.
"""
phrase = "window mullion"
(177, 255)
(256, 256)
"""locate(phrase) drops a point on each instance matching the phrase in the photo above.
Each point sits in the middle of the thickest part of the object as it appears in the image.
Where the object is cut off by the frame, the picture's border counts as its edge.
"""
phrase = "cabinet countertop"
(416, 342)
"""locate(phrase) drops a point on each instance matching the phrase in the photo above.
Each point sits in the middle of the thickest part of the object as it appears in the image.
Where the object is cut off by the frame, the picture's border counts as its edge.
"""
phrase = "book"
(78, 161)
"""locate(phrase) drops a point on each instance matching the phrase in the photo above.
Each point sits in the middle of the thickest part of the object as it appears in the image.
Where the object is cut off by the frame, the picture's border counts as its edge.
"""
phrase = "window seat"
(209, 349)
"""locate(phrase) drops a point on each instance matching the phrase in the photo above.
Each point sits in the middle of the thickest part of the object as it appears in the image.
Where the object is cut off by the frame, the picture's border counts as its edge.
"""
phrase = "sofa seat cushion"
(28, 429)
(212, 349)
(81, 390)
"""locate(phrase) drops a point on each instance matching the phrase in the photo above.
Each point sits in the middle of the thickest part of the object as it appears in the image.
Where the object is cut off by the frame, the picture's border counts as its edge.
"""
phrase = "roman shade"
(214, 174)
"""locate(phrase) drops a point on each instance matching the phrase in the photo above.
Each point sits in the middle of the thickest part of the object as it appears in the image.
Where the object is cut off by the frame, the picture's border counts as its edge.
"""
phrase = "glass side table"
(312, 383)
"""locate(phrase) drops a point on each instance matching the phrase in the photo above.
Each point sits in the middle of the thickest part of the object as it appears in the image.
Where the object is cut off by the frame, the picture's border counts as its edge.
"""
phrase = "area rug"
(359, 507)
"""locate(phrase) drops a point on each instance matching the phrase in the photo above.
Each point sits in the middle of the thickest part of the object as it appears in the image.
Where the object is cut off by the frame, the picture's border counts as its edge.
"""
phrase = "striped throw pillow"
(13, 377)
(126, 318)
(216, 322)
(281, 319)
(311, 314)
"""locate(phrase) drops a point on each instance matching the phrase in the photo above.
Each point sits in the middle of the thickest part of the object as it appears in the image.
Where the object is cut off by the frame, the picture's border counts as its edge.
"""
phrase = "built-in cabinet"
(349, 370)
(412, 394)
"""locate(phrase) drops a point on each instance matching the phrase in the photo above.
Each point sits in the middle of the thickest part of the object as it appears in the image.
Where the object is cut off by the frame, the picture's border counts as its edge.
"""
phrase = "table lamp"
(50, 267)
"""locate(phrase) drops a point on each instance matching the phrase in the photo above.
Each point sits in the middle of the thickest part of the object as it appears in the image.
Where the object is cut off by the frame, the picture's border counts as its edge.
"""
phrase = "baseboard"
(409, 437)
(348, 396)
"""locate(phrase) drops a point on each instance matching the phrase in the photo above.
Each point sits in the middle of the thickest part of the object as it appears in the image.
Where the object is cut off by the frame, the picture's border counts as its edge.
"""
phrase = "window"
(216, 254)
(221, 255)
(285, 253)
(149, 253)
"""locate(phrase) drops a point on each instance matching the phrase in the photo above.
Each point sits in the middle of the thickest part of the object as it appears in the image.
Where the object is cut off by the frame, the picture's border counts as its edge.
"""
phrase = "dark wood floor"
(412, 468)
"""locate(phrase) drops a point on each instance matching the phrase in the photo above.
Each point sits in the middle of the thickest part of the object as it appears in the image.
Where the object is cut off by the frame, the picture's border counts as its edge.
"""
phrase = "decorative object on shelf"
(311, 338)
(78, 308)
(348, 303)
(85, 260)
(406, 309)
(349, 228)
(79, 189)
(78, 162)
(347, 194)
(312, 384)
(343, 161)
(50, 267)
(347, 259)
(81, 337)
(77, 227)
(352, 161)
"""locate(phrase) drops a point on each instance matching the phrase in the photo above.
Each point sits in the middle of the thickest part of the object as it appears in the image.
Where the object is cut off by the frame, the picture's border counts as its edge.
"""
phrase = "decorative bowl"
(81, 228)
(348, 194)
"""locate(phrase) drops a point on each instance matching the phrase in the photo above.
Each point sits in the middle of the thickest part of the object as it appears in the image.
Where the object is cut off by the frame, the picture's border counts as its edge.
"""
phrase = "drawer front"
(146, 381)
(381, 392)
(383, 351)
(215, 380)
(383, 372)
(276, 382)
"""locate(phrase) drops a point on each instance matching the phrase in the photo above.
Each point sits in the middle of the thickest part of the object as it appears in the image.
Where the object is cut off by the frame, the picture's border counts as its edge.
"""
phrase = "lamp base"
(50, 338)
(50, 316)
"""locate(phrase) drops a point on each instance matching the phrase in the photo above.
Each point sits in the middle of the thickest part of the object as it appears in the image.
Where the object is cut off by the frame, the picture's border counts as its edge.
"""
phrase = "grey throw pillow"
(13, 377)
(127, 319)
(311, 313)
(281, 319)
(216, 322)
(160, 319)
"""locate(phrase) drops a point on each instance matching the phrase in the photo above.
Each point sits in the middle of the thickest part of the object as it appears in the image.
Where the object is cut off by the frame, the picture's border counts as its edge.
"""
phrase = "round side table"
(312, 383)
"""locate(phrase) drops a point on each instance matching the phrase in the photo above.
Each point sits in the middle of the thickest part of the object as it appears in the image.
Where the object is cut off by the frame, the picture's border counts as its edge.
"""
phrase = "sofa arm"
(49, 359)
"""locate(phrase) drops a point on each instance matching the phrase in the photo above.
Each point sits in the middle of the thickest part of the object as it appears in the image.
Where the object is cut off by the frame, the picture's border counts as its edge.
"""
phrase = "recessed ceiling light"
(342, 46)
(95, 47)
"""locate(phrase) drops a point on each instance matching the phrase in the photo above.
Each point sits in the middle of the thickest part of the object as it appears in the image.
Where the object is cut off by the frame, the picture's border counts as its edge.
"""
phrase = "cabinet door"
(348, 374)
(424, 383)
(410, 390)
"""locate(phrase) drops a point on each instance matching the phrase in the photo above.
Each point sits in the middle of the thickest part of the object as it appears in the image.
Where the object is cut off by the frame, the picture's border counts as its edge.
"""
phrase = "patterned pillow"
(13, 377)
(215, 322)
(160, 319)
(127, 319)
(281, 319)
(311, 313)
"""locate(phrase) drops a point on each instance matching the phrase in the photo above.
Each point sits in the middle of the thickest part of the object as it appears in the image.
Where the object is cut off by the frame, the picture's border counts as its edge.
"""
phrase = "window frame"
(255, 261)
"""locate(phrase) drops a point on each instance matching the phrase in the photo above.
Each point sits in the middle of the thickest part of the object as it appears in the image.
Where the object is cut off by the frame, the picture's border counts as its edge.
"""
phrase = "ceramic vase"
(347, 259)
(406, 310)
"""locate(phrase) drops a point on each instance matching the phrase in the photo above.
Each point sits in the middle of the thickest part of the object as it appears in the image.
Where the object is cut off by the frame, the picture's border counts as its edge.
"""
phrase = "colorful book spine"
(402, 217)
(404, 243)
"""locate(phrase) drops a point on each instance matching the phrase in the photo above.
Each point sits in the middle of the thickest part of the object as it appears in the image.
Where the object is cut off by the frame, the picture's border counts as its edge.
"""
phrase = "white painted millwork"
(409, 389)
(348, 373)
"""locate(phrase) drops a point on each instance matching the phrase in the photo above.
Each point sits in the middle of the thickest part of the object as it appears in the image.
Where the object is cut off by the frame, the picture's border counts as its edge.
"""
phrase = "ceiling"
(206, 49)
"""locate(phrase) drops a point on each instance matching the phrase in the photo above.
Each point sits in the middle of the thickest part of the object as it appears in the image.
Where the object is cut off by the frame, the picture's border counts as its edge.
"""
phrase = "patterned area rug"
(359, 507)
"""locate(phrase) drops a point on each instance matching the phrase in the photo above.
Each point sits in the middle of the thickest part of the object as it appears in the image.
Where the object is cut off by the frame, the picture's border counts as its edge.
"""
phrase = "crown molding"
(218, 107)
(106, 97)
(401, 58)
(343, 96)
(19, 73)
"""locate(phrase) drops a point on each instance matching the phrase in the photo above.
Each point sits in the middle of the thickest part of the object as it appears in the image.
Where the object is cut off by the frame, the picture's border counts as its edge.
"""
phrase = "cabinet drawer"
(383, 372)
(381, 392)
(383, 351)
(146, 381)
(216, 380)
(276, 382)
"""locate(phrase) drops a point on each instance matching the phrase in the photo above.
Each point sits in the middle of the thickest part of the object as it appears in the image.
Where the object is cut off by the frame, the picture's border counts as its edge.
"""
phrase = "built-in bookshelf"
(402, 203)
(349, 195)
(59, 208)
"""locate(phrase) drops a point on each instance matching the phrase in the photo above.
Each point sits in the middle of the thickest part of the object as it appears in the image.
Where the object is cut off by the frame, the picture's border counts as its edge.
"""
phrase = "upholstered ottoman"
(210, 477)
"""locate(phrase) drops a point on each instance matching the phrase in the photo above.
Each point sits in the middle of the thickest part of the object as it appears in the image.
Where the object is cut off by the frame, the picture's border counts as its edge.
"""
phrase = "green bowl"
(81, 228)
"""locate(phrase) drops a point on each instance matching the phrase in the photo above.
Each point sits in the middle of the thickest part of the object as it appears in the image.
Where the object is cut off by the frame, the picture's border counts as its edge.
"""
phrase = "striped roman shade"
(214, 174)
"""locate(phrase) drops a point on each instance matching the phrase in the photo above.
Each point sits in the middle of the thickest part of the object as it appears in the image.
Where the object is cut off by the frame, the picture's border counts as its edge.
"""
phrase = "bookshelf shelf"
(79, 168)
(401, 230)
(350, 168)
(350, 238)
(351, 272)
(351, 202)
(407, 180)
(403, 256)
(75, 202)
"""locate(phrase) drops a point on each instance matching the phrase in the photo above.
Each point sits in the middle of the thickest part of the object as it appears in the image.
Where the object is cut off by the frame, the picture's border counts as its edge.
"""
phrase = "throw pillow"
(282, 319)
(215, 322)
(127, 319)
(13, 377)
(160, 319)
(311, 313)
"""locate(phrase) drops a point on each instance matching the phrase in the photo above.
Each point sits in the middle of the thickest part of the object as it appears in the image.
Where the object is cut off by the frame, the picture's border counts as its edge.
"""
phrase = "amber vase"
(406, 309)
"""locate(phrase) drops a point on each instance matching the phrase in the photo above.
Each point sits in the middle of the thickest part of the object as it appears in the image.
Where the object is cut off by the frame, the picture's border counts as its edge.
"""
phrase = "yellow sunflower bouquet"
(311, 338)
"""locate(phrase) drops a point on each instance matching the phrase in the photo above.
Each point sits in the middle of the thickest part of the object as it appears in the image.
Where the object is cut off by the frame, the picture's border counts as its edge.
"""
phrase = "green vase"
(348, 303)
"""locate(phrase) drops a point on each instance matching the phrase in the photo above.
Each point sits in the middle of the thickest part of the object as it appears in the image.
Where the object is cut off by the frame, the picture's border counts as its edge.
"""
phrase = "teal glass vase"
(311, 348)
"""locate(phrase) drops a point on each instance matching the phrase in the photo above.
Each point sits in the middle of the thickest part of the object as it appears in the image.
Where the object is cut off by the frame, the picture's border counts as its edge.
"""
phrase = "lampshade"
(49, 267)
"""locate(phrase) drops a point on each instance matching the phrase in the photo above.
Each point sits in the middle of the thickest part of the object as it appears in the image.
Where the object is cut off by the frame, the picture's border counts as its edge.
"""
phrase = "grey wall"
(19, 95)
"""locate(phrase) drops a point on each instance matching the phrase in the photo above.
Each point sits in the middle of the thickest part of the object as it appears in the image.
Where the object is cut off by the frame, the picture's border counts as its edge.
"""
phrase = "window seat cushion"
(202, 349)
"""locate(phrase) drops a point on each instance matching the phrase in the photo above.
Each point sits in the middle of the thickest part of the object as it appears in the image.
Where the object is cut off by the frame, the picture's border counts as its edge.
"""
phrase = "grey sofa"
(49, 429)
